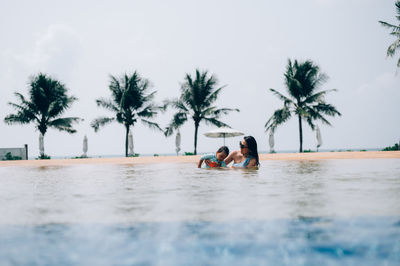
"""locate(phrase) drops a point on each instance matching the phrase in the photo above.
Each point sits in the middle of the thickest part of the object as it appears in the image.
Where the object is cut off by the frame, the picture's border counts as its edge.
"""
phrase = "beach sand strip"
(195, 158)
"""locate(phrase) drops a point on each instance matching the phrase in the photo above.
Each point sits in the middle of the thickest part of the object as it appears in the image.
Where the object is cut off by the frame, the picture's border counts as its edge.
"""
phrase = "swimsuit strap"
(244, 163)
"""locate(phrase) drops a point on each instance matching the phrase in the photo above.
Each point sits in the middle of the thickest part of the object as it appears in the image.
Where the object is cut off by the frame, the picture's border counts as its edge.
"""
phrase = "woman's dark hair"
(224, 149)
(252, 145)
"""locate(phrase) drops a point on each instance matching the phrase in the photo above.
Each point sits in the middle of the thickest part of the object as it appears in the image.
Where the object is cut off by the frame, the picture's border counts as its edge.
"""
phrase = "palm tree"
(197, 97)
(48, 100)
(302, 81)
(130, 102)
(395, 32)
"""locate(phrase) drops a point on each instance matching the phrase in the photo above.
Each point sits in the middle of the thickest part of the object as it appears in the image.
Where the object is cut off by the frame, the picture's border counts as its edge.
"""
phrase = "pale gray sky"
(246, 44)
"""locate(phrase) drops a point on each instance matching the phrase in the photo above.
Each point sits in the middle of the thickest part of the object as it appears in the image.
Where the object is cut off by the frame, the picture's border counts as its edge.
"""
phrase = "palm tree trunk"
(41, 145)
(300, 134)
(196, 127)
(126, 141)
(42, 151)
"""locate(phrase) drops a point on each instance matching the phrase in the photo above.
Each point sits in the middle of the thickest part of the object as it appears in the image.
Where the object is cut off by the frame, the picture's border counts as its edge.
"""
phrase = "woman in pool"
(247, 156)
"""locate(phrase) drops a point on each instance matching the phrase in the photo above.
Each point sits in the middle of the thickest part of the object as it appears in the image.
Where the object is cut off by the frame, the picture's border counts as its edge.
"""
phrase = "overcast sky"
(245, 44)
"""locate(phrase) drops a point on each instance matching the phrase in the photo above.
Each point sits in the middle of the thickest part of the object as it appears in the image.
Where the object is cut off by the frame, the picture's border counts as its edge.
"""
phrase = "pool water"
(327, 212)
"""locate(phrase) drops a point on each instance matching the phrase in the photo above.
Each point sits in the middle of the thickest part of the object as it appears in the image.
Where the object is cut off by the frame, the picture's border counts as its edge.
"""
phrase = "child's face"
(221, 156)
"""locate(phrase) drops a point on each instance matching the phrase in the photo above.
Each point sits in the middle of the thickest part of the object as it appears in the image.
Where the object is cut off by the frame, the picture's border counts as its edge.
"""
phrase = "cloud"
(380, 86)
(56, 51)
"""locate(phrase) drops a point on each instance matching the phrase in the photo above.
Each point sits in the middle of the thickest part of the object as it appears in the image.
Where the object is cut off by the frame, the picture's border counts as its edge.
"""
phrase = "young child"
(215, 160)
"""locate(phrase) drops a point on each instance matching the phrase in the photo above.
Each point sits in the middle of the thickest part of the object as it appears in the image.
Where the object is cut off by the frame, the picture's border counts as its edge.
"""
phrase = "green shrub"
(189, 153)
(9, 157)
(80, 157)
(43, 157)
(306, 151)
(395, 147)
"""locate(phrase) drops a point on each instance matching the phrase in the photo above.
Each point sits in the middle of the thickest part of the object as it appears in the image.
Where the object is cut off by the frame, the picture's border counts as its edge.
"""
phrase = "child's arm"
(205, 158)
(200, 162)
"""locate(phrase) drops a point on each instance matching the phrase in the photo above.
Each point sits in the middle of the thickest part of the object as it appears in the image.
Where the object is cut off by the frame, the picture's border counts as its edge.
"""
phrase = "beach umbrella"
(85, 146)
(318, 137)
(178, 142)
(223, 132)
(271, 141)
(130, 144)
(41, 145)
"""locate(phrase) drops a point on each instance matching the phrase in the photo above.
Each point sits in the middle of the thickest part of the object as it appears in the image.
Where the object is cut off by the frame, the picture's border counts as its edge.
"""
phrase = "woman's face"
(244, 149)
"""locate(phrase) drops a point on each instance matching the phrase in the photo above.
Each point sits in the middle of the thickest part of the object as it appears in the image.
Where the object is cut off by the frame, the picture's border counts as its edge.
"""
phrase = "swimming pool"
(330, 212)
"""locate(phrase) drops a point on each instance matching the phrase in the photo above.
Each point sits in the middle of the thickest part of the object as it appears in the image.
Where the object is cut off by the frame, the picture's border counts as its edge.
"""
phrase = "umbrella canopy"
(178, 142)
(41, 144)
(130, 144)
(85, 146)
(271, 141)
(223, 132)
(318, 137)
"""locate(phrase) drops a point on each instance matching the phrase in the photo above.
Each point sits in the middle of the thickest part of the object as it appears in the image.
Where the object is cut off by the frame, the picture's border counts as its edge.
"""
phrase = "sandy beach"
(194, 159)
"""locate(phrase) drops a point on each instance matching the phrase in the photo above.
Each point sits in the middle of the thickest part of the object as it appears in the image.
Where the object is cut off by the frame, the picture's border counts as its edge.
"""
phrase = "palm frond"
(168, 131)
(215, 122)
(181, 106)
(46, 91)
(285, 99)
(309, 121)
(313, 114)
(107, 104)
(189, 96)
(59, 106)
(394, 28)
(317, 81)
(64, 124)
(148, 111)
(225, 111)
(199, 93)
(327, 109)
(213, 96)
(397, 4)
(207, 112)
(177, 121)
(279, 117)
(116, 91)
(27, 104)
(316, 97)
(24, 112)
(16, 119)
(151, 125)
(149, 97)
(100, 122)
(393, 47)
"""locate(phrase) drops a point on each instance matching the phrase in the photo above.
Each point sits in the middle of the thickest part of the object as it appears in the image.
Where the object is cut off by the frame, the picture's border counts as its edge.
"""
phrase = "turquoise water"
(330, 212)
